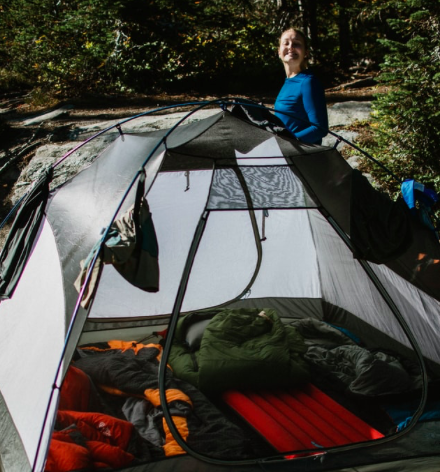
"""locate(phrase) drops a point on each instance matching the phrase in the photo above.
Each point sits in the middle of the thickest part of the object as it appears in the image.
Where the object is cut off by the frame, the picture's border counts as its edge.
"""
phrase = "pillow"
(194, 334)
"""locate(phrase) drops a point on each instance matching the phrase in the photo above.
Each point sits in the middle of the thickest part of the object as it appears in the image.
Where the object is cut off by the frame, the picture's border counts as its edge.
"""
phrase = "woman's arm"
(315, 106)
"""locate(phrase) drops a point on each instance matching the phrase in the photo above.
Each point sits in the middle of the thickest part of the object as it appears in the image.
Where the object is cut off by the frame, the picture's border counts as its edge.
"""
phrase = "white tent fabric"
(36, 339)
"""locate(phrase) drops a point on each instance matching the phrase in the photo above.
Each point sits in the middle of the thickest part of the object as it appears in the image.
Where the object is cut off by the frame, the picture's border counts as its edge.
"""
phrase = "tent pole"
(167, 348)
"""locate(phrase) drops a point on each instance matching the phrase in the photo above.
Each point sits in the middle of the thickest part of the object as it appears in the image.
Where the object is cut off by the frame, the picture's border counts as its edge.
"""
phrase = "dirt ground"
(15, 106)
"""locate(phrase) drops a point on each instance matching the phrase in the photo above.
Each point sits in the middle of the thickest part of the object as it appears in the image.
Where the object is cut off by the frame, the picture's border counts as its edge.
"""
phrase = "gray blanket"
(361, 372)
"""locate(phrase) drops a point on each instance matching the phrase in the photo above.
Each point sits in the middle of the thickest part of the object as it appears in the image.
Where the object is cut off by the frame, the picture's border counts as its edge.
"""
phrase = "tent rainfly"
(218, 296)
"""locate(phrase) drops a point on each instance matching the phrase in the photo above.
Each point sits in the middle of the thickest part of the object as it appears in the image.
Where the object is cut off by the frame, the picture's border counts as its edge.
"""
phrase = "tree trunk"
(345, 48)
(312, 24)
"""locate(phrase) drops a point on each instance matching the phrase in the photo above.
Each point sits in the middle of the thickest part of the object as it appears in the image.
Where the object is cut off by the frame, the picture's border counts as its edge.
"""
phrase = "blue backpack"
(421, 202)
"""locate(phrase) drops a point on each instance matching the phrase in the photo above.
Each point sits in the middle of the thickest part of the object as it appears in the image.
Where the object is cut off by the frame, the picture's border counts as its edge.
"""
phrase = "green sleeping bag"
(238, 349)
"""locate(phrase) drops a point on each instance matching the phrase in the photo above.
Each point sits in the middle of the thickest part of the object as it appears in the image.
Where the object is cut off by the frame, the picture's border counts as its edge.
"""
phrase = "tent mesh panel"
(257, 187)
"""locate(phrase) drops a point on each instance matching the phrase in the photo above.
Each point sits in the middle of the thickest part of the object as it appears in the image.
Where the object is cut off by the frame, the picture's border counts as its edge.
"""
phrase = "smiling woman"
(301, 101)
(293, 51)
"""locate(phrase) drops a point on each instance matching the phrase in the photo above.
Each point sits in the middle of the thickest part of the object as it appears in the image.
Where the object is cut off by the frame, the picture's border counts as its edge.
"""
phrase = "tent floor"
(367, 409)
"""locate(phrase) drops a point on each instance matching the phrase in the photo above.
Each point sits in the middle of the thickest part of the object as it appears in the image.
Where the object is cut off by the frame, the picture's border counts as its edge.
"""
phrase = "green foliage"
(60, 46)
(79, 46)
(407, 117)
(74, 47)
(201, 45)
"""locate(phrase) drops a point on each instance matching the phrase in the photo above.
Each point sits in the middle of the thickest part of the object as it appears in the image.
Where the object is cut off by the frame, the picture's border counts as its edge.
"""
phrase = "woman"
(302, 95)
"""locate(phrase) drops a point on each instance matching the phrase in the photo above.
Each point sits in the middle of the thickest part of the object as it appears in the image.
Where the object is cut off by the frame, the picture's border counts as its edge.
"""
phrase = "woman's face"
(292, 49)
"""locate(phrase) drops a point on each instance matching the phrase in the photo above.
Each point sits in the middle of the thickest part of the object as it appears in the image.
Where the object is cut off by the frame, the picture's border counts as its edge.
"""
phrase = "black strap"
(140, 191)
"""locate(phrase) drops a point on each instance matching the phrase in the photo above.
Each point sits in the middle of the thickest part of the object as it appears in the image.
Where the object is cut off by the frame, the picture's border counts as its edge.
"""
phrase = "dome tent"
(244, 218)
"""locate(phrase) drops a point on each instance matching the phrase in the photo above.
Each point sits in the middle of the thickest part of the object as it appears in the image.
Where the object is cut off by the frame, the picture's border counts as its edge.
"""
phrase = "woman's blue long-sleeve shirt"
(303, 98)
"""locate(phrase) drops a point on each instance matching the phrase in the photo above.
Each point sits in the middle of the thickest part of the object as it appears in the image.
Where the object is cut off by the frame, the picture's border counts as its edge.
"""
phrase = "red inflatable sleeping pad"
(300, 418)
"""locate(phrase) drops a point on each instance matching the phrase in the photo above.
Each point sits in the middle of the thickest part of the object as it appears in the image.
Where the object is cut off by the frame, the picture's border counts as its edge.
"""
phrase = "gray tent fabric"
(261, 117)
(416, 252)
(70, 210)
(22, 235)
(379, 228)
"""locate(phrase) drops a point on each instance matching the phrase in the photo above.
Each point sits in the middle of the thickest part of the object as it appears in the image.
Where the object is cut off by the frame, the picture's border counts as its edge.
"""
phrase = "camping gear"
(247, 348)
(422, 202)
(245, 218)
(300, 418)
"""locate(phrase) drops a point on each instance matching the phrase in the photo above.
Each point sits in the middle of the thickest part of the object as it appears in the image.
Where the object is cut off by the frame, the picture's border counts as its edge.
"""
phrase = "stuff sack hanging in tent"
(130, 245)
